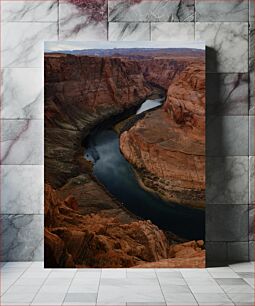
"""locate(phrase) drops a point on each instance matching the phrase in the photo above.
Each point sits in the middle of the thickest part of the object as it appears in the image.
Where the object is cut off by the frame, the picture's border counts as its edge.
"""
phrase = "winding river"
(117, 175)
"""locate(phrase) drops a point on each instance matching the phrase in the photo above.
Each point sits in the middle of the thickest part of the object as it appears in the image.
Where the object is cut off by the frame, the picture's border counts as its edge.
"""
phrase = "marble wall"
(228, 29)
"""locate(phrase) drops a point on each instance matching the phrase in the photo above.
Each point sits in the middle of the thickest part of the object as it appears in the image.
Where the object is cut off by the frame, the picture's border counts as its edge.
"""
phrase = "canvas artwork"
(124, 154)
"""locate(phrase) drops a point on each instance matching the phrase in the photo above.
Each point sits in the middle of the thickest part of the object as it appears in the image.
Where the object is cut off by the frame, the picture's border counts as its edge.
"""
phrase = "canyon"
(84, 225)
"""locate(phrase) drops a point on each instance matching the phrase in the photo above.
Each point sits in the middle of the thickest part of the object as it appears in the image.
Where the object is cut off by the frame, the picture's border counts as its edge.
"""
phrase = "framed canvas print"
(124, 154)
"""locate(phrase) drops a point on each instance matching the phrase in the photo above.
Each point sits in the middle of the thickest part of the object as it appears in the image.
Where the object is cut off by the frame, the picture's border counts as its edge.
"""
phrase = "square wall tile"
(22, 93)
(23, 43)
(22, 142)
(227, 223)
(227, 93)
(234, 10)
(227, 180)
(151, 10)
(238, 251)
(226, 43)
(83, 20)
(22, 189)
(128, 31)
(23, 10)
(227, 135)
(166, 31)
(22, 237)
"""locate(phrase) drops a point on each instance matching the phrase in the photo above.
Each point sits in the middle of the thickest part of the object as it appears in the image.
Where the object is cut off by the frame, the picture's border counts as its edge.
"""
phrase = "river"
(117, 175)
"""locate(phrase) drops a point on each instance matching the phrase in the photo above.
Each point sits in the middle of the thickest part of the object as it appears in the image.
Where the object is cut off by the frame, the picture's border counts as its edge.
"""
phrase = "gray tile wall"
(228, 29)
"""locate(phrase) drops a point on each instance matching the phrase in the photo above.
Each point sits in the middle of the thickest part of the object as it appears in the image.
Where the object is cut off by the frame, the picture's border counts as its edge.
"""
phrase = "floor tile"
(180, 299)
(225, 272)
(243, 267)
(213, 299)
(81, 298)
(242, 299)
(114, 273)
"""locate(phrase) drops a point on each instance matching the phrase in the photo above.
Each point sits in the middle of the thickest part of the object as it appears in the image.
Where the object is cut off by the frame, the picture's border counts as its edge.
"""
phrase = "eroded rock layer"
(103, 239)
(167, 146)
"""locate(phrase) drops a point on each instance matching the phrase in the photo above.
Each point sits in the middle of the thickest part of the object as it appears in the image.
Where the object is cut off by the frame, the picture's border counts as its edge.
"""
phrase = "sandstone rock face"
(168, 145)
(102, 239)
(84, 225)
(81, 91)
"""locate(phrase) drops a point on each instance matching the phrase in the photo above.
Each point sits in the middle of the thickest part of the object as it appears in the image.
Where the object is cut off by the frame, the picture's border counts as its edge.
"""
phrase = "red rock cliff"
(168, 145)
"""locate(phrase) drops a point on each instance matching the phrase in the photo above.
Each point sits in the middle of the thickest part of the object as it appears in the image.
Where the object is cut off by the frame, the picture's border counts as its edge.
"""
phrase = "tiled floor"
(27, 283)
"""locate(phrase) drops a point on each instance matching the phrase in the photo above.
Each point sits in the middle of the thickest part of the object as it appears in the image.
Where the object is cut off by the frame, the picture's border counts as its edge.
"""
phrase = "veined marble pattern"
(22, 187)
(39, 10)
(128, 31)
(22, 237)
(227, 93)
(165, 31)
(227, 180)
(22, 93)
(228, 43)
(213, 10)
(227, 135)
(21, 142)
(22, 43)
(151, 10)
(83, 20)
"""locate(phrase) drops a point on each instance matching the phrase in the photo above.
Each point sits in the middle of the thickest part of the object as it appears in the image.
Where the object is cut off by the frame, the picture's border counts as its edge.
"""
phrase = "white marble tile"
(22, 189)
(213, 299)
(228, 43)
(114, 273)
(22, 237)
(227, 93)
(22, 42)
(22, 93)
(165, 31)
(22, 142)
(227, 180)
(227, 135)
(234, 10)
(128, 31)
(82, 20)
(23, 10)
(151, 10)
(181, 299)
(242, 299)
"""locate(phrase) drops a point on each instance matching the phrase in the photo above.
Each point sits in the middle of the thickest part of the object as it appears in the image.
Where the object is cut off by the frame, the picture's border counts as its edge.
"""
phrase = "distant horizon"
(55, 46)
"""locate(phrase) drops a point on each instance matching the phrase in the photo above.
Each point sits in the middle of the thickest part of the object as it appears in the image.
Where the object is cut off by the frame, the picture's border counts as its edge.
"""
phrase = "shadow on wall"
(214, 256)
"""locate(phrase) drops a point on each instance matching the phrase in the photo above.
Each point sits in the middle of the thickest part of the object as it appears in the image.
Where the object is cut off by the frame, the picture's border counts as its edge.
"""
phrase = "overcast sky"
(81, 45)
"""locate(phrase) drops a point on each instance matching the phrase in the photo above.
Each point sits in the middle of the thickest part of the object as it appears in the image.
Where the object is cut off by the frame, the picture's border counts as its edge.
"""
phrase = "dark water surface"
(116, 174)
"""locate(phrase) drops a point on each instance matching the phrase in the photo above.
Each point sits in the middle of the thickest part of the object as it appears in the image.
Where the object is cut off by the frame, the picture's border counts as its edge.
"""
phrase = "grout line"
(98, 286)
(40, 287)
(69, 286)
(160, 286)
(17, 279)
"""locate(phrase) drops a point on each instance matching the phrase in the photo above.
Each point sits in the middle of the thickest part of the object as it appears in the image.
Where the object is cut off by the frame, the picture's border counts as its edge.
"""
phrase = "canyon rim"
(124, 154)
